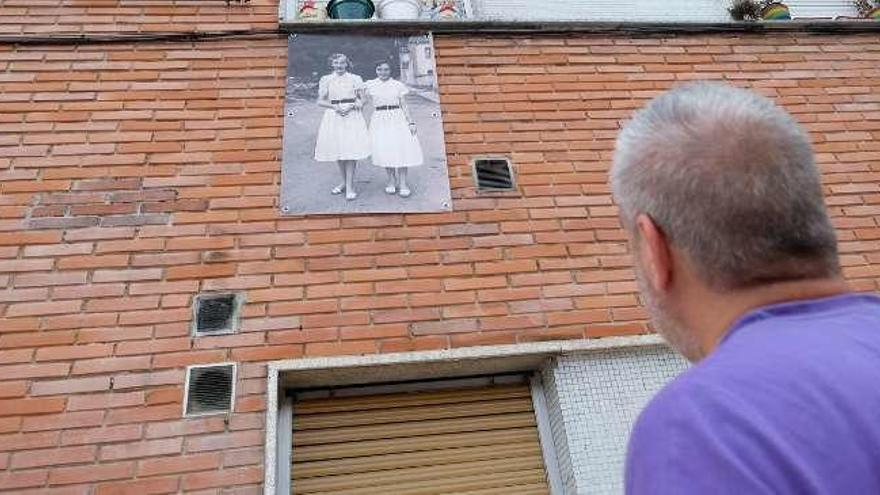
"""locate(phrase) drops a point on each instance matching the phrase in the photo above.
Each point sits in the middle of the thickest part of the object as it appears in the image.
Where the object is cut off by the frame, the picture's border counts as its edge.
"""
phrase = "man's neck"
(716, 312)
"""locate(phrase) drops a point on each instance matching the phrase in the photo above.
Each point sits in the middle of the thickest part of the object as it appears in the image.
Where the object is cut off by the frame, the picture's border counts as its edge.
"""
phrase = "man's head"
(718, 187)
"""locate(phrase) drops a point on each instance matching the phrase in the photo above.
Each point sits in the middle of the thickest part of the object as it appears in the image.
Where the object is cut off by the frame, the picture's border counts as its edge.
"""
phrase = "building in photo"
(165, 327)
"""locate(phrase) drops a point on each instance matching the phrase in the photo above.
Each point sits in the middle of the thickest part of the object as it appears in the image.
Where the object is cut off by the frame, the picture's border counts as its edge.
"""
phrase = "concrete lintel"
(406, 366)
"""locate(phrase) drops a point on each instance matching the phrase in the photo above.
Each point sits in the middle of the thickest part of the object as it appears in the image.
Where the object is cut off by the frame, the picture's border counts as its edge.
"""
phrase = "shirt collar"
(800, 308)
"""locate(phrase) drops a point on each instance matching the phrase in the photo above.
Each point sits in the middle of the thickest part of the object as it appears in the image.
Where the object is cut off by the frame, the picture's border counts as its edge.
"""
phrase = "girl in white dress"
(342, 136)
(393, 141)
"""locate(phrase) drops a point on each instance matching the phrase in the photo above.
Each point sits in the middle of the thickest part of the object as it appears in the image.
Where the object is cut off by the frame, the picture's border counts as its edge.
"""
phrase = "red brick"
(179, 464)
(91, 473)
(62, 421)
(341, 348)
(13, 389)
(106, 400)
(26, 265)
(44, 279)
(104, 434)
(16, 407)
(129, 275)
(243, 457)
(272, 353)
(143, 414)
(153, 346)
(71, 386)
(141, 487)
(26, 441)
(445, 326)
(223, 478)
(225, 441)
(149, 448)
(164, 396)
(53, 457)
(74, 352)
(154, 316)
(110, 365)
(177, 359)
(186, 427)
(200, 271)
(43, 370)
(42, 308)
(570, 317)
(23, 479)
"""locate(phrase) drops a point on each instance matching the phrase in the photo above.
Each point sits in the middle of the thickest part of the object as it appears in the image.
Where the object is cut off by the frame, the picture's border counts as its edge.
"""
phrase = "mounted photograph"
(363, 130)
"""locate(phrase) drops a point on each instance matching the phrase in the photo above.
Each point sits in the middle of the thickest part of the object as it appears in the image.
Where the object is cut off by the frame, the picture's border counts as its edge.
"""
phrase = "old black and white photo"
(363, 129)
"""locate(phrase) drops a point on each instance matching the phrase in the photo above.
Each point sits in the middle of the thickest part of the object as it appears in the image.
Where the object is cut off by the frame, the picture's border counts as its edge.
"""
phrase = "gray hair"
(730, 179)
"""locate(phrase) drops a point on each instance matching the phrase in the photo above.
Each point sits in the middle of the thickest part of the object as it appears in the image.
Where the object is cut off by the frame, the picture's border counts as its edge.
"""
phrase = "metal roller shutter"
(468, 441)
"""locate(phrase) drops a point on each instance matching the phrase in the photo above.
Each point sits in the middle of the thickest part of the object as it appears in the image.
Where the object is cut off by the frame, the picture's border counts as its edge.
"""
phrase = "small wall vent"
(215, 314)
(210, 389)
(493, 174)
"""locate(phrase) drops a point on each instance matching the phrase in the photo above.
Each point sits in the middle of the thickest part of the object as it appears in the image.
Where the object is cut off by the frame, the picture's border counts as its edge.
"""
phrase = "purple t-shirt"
(789, 403)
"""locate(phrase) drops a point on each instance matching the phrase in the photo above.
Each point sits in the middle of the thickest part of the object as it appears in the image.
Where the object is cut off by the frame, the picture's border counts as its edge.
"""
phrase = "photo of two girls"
(363, 130)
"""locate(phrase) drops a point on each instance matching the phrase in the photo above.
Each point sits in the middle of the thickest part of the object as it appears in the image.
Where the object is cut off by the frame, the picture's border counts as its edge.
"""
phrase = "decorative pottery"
(447, 9)
(776, 12)
(308, 11)
(399, 9)
(350, 9)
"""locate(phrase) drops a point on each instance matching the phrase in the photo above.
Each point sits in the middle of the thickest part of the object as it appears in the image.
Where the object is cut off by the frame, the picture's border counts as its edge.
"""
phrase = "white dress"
(391, 142)
(341, 137)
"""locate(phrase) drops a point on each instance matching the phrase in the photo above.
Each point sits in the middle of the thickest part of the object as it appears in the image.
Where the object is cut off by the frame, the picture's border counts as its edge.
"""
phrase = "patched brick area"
(135, 176)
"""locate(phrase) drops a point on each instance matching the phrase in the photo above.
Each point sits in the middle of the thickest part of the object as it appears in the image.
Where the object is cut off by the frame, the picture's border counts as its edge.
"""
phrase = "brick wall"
(53, 17)
(133, 176)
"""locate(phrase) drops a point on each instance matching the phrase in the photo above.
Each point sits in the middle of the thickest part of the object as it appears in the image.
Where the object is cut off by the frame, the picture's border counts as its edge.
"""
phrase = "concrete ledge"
(824, 26)
(408, 366)
(450, 363)
(849, 26)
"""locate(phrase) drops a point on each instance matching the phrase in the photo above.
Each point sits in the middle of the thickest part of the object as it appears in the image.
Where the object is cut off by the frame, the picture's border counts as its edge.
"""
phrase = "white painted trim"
(545, 435)
(270, 466)
(275, 368)
(285, 439)
(186, 389)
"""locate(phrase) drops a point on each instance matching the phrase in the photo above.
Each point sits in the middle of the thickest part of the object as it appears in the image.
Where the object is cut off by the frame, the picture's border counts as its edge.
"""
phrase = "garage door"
(466, 441)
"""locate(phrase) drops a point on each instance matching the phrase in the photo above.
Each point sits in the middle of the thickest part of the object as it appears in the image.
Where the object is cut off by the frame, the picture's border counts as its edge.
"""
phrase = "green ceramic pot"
(350, 9)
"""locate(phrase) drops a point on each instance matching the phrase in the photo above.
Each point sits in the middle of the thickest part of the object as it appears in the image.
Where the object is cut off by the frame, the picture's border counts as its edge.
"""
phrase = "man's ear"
(654, 253)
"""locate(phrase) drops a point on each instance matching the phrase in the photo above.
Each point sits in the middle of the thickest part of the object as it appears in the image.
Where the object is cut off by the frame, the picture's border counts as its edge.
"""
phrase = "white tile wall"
(593, 400)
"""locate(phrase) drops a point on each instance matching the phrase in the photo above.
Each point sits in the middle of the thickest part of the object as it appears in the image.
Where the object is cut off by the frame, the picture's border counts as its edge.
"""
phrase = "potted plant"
(754, 10)
(350, 9)
(869, 9)
(399, 9)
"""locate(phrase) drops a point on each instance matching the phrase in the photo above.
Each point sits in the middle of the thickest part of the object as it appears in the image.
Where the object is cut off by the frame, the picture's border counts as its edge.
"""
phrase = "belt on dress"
(349, 100)
(388, 107)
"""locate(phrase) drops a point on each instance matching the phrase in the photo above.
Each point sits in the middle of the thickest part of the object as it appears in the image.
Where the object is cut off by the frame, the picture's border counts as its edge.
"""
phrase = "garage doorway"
(465, 436)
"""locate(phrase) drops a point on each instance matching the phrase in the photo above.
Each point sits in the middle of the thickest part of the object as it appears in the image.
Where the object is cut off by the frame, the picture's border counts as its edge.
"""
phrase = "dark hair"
(377, 63)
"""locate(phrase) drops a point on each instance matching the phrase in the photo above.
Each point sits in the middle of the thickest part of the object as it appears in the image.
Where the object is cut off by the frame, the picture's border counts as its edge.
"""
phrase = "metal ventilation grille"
(214, 314)
(209, 389)
(493, 174)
